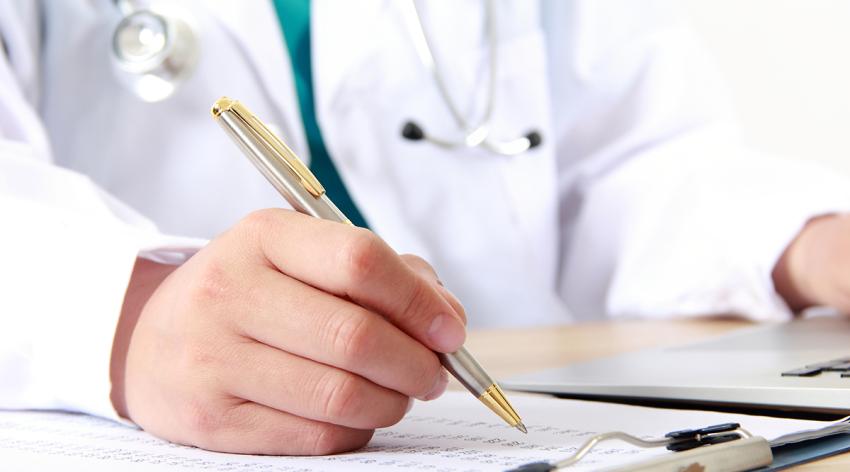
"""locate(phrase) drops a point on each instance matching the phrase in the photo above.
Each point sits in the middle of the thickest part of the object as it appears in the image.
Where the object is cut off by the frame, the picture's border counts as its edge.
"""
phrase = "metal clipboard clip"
(720, 448)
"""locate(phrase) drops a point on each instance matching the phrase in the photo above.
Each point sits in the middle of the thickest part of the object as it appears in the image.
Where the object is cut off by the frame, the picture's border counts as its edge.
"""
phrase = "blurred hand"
(815, 268)
(285, 335)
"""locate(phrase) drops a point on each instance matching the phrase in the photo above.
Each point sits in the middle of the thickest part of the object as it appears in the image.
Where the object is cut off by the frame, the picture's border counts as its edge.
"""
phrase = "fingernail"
(446, 333)
(409, 405)
(439, 387)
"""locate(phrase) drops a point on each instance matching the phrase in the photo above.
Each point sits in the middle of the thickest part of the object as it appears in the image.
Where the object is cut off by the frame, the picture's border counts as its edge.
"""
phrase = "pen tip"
(521, 427)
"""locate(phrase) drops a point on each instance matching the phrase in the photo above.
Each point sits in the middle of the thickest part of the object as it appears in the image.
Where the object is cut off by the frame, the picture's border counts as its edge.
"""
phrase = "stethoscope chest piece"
(153, 53)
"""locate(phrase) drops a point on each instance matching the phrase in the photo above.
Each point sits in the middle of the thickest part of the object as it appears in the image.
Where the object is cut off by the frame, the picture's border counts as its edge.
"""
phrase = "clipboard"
(791, 454)
(719, 448)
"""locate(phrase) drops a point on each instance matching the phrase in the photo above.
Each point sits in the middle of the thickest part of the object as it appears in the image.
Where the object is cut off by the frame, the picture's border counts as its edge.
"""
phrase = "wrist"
(146, 278)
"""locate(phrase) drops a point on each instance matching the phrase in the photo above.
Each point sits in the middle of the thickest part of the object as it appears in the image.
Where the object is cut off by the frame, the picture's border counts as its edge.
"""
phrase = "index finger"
(354, 263)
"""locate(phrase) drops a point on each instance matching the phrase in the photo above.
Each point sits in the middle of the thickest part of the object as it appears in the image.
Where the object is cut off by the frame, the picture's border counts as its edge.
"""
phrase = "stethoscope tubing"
(473, 136)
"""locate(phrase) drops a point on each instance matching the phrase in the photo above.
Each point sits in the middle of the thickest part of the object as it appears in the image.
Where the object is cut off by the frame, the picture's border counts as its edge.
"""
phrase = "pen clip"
(272, 143)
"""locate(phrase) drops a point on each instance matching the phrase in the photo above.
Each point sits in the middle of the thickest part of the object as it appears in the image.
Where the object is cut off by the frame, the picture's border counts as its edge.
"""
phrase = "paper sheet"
(452, 434)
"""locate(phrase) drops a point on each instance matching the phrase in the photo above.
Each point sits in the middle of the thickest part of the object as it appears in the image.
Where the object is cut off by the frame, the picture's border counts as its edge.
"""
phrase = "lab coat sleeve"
(67, 250)
(665, 212)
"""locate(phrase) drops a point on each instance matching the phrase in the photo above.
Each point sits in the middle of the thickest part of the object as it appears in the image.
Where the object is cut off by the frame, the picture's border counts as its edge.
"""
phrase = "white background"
(787, 64)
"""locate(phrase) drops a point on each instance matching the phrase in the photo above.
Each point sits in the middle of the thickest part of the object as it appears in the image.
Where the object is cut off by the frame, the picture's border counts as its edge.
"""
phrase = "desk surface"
(540, 348)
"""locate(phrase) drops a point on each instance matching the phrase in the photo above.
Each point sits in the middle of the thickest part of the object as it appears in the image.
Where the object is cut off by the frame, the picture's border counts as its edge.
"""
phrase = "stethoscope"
(154, 51)
(472, 136)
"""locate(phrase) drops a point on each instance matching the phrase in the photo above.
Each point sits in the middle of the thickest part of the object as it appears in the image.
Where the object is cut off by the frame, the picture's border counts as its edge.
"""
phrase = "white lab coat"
(638, 202)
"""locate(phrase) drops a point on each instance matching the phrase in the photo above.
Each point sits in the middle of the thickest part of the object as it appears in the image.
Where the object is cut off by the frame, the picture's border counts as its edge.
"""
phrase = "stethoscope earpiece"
(412, 132)
(534, 139)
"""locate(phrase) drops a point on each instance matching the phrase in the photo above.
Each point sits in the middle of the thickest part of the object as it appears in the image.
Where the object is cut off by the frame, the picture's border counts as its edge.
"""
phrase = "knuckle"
(414, 260)
(351, 336)
(330, 439)
(260, 220)
(197, 355)
(419, 298)
(212, 283)
(394, 412)
(205, 354)
(256, 227)
(425, 373)
(340, 395)
(203, 419)
(360, 256)
(419, 265)
(327, 439)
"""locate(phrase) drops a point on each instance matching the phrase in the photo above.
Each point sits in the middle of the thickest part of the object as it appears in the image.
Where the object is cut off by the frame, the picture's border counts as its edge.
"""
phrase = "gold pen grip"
(495, 400)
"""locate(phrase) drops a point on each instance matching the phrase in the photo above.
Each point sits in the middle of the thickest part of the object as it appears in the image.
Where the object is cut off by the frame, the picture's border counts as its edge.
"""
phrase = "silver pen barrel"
(467, 371)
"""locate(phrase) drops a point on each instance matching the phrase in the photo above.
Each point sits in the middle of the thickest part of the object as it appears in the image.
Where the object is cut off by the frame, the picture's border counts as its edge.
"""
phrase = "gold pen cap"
(272, 143)
(276, 161)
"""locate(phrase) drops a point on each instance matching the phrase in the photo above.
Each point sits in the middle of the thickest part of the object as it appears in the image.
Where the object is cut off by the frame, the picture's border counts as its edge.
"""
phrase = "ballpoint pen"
(302, 190)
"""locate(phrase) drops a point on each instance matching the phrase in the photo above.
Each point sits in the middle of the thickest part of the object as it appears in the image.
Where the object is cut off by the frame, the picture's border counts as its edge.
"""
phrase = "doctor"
(591, 172)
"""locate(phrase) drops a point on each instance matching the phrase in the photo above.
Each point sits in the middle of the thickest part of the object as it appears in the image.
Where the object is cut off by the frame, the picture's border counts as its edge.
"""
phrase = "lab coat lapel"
(254, 25)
